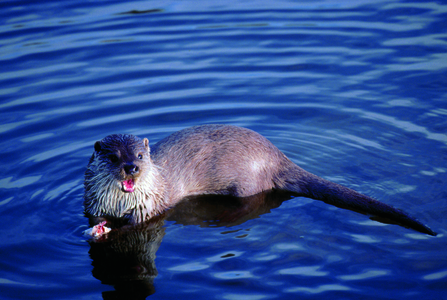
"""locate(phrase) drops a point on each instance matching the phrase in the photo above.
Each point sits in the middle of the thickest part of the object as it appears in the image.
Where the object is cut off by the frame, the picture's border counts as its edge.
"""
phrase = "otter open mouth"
(128, 186)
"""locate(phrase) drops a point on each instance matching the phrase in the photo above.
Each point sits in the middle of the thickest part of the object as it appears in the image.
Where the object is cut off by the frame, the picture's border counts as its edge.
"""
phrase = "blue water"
(353, 92)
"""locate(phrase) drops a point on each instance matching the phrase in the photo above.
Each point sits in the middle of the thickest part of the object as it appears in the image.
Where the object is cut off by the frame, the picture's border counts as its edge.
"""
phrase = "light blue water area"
(354, 92)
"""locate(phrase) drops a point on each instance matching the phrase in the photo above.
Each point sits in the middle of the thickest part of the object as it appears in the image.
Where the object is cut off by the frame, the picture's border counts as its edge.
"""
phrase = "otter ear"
(146, 144)
(98, 146)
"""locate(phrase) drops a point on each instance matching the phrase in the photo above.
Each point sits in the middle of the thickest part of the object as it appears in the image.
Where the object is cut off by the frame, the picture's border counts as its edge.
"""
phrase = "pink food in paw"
(99, 229)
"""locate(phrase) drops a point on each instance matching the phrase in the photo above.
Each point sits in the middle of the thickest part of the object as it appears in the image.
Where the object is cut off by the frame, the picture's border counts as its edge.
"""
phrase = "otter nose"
(131, 169)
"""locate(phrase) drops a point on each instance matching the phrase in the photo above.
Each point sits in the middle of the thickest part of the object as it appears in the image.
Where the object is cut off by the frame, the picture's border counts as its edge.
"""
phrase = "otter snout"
(131, 169)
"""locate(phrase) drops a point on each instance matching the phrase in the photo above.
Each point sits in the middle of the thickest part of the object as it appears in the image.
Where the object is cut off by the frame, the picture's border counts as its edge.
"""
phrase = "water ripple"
(319, 289)
(365, 275)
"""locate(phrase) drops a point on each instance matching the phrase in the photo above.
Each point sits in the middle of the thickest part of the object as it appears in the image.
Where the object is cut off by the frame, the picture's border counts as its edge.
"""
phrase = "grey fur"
(209, 159)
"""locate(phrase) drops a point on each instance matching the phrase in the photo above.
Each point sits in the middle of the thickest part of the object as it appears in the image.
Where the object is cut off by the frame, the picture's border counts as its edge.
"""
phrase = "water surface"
(353, 92)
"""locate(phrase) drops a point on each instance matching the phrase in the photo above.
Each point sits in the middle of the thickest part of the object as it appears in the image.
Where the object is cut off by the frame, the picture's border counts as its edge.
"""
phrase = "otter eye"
(113, 158)
(140, 156)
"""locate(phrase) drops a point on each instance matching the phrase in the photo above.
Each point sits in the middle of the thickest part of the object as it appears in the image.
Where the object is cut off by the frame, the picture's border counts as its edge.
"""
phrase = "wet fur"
(103, 194)
(209, 159)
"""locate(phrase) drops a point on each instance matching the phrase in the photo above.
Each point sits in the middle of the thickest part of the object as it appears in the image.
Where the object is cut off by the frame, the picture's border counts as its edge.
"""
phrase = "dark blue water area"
(355, 92)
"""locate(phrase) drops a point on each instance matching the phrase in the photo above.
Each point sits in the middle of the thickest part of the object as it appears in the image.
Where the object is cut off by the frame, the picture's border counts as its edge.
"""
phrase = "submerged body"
(125, 178)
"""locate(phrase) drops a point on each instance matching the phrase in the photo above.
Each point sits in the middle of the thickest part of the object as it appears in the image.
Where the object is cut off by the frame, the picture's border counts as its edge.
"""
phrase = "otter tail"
(308, 185)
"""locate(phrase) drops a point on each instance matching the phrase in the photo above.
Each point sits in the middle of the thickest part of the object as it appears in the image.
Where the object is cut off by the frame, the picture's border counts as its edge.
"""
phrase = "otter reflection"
(125, 257)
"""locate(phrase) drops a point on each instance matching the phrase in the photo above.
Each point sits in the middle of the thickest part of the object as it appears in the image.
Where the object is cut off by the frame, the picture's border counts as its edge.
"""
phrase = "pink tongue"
(128, 186)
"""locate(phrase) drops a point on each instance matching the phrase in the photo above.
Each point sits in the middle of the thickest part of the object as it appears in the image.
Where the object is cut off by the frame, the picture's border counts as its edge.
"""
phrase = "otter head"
(120, 178)
(125, 158)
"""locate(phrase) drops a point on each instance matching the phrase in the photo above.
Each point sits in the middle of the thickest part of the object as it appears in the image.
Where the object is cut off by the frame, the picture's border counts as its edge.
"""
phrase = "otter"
(125, 178)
